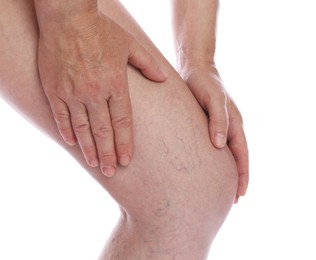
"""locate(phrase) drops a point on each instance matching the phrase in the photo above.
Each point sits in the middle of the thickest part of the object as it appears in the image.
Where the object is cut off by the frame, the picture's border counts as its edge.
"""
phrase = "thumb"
(218, 124)
(145, 62)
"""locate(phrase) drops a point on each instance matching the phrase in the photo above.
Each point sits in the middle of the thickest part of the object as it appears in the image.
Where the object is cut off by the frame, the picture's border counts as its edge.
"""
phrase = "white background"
(51, 209)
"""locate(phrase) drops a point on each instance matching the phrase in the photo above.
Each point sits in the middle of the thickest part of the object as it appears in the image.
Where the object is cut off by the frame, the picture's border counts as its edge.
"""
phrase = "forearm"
(63, 13)
(194, 26)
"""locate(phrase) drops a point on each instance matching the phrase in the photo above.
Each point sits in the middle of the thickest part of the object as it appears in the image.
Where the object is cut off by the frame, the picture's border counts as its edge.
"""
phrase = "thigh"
(175, 171)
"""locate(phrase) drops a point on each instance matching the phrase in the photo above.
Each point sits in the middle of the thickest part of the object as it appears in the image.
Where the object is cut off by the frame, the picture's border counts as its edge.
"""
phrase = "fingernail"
(220, 140)
(124, 160)
(108, 171)
(70, 142)
(93, 162)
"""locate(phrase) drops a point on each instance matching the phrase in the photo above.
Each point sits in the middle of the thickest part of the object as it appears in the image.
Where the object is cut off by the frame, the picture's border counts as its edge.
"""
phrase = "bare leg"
(177, 190)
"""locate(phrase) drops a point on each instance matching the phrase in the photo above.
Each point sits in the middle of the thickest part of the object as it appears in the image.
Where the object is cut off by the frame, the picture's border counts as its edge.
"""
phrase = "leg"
(178, 189)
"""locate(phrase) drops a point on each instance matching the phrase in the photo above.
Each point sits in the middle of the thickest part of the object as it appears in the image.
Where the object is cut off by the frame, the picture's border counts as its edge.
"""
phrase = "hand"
(225, 121)
(83, 69)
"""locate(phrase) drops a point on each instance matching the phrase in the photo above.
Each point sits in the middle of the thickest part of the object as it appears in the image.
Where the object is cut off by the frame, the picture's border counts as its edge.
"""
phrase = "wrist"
(58, 8)
(194, 58)
(196, 72)
(61, 15)
(188, 61)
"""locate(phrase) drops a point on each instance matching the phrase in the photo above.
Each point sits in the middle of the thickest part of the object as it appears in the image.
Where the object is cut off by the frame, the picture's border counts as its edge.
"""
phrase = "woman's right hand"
(83, 69)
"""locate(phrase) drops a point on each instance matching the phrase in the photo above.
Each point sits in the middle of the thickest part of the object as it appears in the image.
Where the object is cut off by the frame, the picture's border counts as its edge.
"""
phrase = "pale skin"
(178, 188)
(86, 82)
(195, 42)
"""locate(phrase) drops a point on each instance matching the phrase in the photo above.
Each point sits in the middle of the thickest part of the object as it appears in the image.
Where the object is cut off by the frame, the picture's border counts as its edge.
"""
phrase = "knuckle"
(222, 93)
(149, 60)
(93, 90)
(107, 157)
(122, 122)
(220, 119)
(219, 127)
(58, 92)
(61, 116)
(81, 127)
(116, 77)
(223, 120)
(222, 126)
(102, 131)
(218, 97)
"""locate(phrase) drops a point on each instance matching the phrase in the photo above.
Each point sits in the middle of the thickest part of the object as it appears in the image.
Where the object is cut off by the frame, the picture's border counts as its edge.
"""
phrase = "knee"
(178, 188)
(186, 204)
(178, 213)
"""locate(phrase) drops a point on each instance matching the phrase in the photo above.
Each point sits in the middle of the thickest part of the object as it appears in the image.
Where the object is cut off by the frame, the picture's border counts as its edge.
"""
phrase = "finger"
(121, 116)
(218, 115)
(142, 60)
(238, 146)
(81, 126)
(63, 121)
(102, 131)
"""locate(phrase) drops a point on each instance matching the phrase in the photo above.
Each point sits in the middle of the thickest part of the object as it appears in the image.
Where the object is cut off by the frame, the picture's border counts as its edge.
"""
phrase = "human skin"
(86, 83)
(178, 189)
(82, 58)
(194, 26)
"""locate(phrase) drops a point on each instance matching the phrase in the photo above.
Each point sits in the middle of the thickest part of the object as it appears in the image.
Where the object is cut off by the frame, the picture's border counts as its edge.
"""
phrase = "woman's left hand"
(225, 120)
